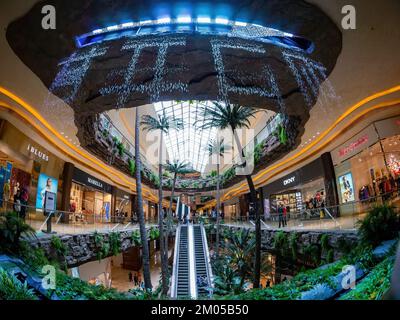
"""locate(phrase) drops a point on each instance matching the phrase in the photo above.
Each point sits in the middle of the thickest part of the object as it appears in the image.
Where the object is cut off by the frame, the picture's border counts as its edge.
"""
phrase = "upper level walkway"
(342, 217)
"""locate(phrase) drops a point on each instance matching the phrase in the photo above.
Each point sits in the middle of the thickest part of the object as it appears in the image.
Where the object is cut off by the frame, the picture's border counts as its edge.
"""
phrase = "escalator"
(192, 275)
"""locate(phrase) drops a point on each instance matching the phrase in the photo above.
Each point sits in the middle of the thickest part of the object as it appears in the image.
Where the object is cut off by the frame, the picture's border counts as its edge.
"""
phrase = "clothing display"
(364, 193)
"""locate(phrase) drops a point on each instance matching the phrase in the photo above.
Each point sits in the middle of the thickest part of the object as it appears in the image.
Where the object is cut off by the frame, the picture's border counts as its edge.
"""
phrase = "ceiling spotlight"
(184, 19)
(164, 20)
(203, 19)
(240, 24)
(127, 25)
(97, 31)
(145, 22)
(112, 28)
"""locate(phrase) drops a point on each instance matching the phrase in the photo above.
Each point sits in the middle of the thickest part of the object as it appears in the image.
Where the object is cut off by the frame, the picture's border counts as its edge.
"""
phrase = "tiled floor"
(120, 276)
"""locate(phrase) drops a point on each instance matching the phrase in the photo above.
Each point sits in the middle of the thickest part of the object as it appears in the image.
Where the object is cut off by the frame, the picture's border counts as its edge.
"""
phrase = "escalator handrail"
(174, 278)
(206, 253)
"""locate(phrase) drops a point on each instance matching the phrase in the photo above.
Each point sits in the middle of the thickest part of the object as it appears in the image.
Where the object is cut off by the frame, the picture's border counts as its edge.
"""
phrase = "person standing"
(135, 279)
(280, 215)
(130, 277)
(24, 201)
(17, 203)
(284, 215)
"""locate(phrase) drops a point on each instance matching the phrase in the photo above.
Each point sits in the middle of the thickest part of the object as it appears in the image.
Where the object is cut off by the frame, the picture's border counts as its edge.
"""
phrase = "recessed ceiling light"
(240, 24)
(164, 20)
(112, 28)
(204, 19)
(127, 24)
(221, 21)
(184, 19)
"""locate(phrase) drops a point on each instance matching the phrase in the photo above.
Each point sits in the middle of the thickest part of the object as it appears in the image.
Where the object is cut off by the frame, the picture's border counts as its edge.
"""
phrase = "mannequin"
(16, 189)
(6, 190)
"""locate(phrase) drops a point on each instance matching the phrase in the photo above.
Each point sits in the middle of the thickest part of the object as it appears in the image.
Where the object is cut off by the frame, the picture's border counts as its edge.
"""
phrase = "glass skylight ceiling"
(190, 143)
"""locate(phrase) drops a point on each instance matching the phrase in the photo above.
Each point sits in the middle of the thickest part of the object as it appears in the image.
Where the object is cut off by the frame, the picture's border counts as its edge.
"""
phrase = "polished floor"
(120, 276)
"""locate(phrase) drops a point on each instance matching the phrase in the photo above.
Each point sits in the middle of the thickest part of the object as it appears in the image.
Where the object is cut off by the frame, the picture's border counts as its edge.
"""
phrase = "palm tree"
(217, 147)
(162, 123)
(140, 213)
(233, 116)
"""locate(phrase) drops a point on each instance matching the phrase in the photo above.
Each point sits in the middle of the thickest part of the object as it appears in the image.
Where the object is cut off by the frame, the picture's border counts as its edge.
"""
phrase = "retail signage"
(289, 181)
(82, 177)
(358, 143)
(37, 153)
(353, 145)
(45, 184)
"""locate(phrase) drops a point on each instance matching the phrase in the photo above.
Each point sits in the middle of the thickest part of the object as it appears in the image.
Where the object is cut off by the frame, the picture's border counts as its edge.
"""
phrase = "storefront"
(368, 165)
(90, 199)
(231, 208)
(27, 169)
(123, 206)
(309, 187)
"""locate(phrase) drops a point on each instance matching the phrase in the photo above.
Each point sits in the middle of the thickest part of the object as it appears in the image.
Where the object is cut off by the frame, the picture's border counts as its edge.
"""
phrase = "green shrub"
(115, 243)
(374, 285)
(135, 237)
(380, 224)
(59, 246)
(154, 233)
(132, 166)
(12, 289)
(103, 248)
(12, 228)
(293, 245)
(281, 242)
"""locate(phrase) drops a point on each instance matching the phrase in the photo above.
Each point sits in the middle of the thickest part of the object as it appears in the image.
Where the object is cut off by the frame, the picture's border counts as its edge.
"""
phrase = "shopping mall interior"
(199, 150)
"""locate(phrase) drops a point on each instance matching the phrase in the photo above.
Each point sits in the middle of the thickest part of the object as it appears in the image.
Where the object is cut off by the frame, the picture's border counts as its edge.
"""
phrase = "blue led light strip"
(201, 25)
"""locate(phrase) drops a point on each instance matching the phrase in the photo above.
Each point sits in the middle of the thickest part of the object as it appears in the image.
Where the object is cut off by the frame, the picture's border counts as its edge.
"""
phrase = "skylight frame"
(189, 144)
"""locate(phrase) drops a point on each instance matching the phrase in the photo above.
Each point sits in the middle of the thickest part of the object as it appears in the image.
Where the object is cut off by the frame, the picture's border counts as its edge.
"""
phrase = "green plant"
(381, 223)
(12, 228)
(374, 285)
(330, 256)
(121, 148)
(12, 289)
(59, 246)
(281, 134)
(280, 241)
(115, 242)
(103, 248)
(154, 233)
(135, 238)
(293, 245)
(312, 252)
(132, 167)
(258, 152)
(105, 133)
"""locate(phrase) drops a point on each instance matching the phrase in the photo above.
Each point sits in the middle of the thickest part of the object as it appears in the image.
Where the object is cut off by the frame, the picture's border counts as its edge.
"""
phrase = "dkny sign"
(289, 181)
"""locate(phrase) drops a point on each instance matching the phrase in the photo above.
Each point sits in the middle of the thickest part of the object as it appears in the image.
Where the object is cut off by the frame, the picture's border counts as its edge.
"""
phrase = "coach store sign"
(82, 177)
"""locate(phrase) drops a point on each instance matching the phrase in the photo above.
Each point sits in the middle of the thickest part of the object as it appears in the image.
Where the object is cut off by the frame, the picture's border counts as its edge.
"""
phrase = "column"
(331, 193)
(113, 202)
(67, 174)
